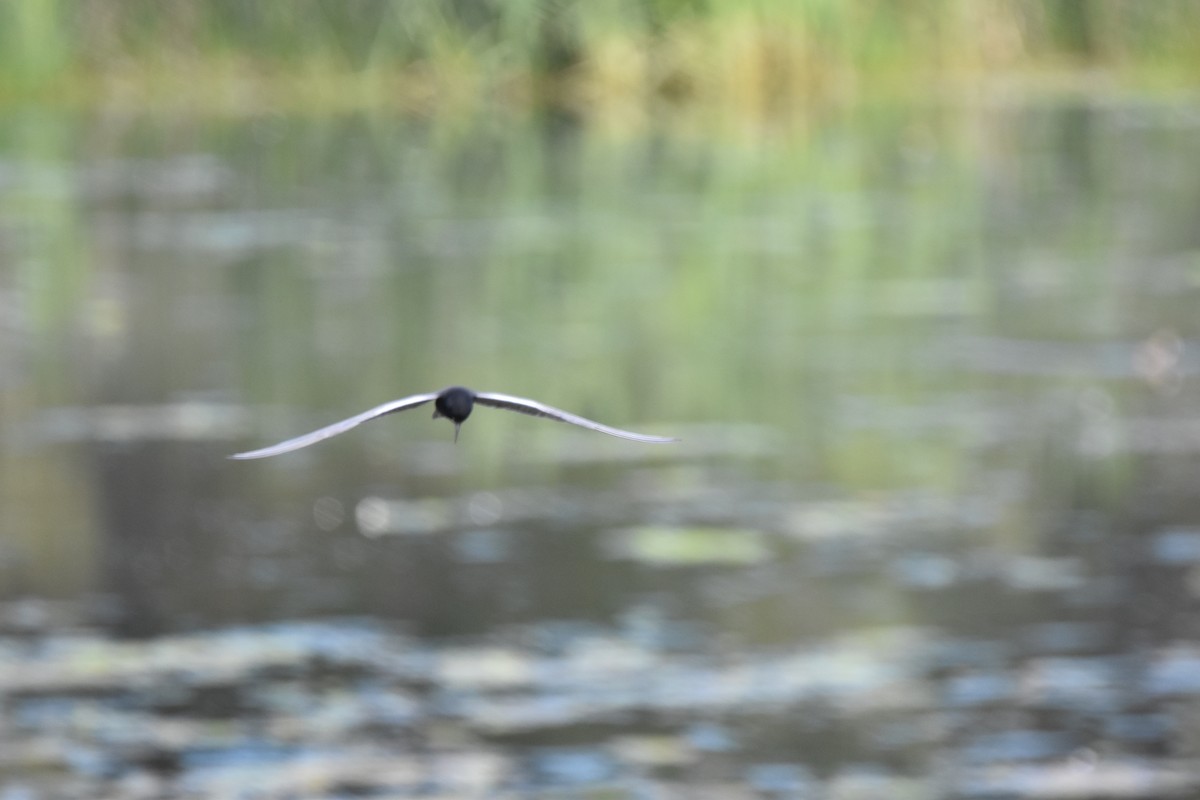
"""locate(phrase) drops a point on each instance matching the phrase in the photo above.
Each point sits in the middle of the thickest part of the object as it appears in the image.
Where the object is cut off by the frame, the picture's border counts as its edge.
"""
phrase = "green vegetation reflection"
(751, 57)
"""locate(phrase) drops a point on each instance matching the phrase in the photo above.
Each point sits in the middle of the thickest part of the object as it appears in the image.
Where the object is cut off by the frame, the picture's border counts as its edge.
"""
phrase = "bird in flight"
(455, 404)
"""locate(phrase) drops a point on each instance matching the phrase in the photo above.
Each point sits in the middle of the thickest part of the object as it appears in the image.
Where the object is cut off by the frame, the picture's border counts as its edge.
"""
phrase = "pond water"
(932, 529)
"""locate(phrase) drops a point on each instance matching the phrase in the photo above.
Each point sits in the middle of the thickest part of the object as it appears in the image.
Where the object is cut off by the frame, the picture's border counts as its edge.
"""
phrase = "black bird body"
(455, 403)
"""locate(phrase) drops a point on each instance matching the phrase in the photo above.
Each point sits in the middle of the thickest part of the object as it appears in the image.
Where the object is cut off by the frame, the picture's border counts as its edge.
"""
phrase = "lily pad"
(671, 546)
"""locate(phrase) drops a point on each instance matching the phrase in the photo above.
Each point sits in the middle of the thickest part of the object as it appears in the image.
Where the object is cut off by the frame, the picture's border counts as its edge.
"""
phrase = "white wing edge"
(337, 427)
(524, 405)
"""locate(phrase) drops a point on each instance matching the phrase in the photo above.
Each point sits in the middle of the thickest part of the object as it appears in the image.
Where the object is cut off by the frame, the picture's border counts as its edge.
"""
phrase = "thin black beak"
(456, 431)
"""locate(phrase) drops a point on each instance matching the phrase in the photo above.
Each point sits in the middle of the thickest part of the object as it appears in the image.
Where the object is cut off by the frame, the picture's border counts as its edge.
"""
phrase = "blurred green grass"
(752, 56)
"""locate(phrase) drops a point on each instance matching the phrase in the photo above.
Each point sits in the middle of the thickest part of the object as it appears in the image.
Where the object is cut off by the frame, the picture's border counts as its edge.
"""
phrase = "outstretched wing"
(536, 409)
(402, 404)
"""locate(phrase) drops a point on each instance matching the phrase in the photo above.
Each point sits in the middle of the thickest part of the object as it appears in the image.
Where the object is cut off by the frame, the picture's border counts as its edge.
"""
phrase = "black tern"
(455, 404)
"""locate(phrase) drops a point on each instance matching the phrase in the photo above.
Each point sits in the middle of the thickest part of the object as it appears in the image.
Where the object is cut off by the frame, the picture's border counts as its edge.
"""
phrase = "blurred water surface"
(932, 529)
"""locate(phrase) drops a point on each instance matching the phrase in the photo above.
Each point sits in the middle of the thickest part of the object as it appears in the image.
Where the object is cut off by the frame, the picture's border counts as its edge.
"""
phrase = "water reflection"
(316, 707)
(932, 528)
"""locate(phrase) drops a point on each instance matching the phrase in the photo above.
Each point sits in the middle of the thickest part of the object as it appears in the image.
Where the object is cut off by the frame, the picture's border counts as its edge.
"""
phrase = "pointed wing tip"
(252, 454)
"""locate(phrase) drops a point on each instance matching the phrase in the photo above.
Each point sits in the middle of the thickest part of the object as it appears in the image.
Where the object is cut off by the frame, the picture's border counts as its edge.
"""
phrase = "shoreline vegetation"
(756, 58)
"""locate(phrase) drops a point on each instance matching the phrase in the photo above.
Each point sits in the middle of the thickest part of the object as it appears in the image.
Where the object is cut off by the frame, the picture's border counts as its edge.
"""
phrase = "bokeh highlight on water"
(931, 530)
